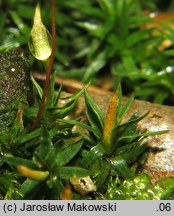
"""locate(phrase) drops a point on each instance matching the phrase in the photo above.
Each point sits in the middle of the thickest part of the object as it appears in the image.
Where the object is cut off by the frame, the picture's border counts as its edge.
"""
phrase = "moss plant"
(42, 163)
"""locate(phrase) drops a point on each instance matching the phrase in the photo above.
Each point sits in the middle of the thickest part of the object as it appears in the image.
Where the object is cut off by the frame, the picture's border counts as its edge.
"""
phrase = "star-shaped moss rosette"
(116, 151)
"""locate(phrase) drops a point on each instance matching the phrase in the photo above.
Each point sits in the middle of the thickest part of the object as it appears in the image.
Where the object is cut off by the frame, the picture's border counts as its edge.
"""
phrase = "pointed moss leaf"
(135, 136)
(25, 137)
(45, 152)
(98, 62)
(131, 123)
(58, 93)
(95, 153)
(125, 108)
(72, 172)
(154, 133)
(129, 61)
(91, 27)
(119, 99)
(60, 126)
(16, 161)
(64, 156)
(76, 95)
(24, 29)
(136, 37)
(64, 111)
(128, 128)
(51, 92)
(80, 124)
(37, 86)
(95, 115)
(120, 166)
(15, 130)
(30, 190)
(57, 113)
(107, 6)
(130, 153)
(53, 96)
(103, 174)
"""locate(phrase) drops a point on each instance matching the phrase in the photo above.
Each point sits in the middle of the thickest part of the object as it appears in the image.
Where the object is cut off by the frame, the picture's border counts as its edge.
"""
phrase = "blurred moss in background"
(101, 39)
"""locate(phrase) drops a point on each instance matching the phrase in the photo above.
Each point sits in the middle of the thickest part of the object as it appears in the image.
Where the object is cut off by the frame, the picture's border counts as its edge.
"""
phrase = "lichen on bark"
(15, 86)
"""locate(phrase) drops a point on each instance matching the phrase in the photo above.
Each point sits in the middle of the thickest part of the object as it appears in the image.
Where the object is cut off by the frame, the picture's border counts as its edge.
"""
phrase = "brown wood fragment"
(71, 85)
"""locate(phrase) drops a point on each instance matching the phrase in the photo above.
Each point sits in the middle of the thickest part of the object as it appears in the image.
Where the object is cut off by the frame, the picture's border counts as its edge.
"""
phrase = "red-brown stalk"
(50, 65)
